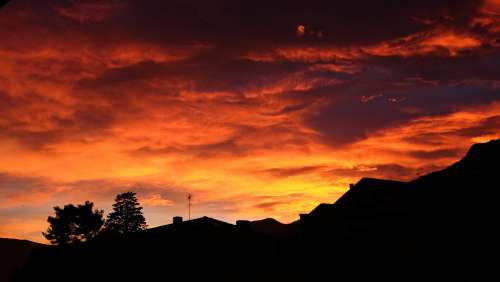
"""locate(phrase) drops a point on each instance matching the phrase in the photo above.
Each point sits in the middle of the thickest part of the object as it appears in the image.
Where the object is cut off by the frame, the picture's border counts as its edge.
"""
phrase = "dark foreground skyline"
(439, 227)
(257, 108)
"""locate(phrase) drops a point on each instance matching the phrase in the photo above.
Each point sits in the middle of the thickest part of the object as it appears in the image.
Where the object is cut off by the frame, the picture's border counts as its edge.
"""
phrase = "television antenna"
(189, 206)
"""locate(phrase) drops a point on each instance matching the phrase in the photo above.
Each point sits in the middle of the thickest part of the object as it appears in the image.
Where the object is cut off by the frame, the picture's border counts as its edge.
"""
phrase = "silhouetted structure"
(189, 206)
(177, 220)
(443, 226)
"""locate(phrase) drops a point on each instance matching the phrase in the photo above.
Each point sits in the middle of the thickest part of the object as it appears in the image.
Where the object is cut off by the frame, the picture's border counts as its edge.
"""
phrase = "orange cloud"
(156, 200)
(425, 43)
(253, 125)
(489, 16)
(343, 59)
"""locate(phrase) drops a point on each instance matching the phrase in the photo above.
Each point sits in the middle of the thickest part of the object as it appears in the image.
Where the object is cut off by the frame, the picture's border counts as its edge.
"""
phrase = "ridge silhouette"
(443, 226)
(13, 255)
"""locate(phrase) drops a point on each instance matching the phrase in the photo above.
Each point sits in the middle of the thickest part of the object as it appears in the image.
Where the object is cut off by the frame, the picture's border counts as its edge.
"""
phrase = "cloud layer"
(257, 108)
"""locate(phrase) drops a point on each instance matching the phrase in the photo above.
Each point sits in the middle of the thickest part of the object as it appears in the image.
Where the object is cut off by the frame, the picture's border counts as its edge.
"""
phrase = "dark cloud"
(479, 65)
(107, 189)
(431, 139)
(386, 171)
(83, 124)
(437, 154)
(290, 109)
(291, 171)
(200, 73)
(270, 203)
(345, 118)
(229, 30)
(236, 26)
(24, 191)
(130, 74)
(268, 206)
(221, 149)
(236, 23)
(487, 126)
(244, 141)
(348, 119)
(10, 183)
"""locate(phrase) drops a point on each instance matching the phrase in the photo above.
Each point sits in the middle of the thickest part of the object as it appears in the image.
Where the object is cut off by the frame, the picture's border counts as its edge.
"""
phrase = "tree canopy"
(74, 224)
(127, 215)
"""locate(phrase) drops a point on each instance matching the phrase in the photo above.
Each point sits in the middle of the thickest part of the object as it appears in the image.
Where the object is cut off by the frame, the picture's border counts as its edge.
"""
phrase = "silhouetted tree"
(74, 224)
(126, 216)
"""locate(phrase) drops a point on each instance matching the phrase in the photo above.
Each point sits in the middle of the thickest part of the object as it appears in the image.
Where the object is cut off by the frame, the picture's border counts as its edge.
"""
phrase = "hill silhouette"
(442, 226)
(14, 254)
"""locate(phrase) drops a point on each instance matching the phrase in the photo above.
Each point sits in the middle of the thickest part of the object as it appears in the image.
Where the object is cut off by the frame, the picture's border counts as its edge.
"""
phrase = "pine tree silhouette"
(127, 215)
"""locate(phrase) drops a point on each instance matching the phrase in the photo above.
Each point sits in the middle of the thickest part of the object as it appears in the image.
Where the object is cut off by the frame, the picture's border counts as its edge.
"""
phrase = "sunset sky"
(258, 108)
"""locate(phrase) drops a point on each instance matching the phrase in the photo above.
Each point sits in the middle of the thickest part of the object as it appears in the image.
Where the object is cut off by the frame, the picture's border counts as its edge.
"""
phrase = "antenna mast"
(189, 206)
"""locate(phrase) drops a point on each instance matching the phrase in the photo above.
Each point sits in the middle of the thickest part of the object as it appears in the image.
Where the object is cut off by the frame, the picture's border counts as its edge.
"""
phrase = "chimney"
(177, 220)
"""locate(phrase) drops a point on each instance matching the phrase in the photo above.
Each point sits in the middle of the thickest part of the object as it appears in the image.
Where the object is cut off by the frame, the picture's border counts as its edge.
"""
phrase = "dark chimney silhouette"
(177, 220)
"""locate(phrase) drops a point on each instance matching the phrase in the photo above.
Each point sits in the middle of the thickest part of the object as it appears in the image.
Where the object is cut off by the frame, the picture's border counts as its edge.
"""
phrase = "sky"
(257, 108)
